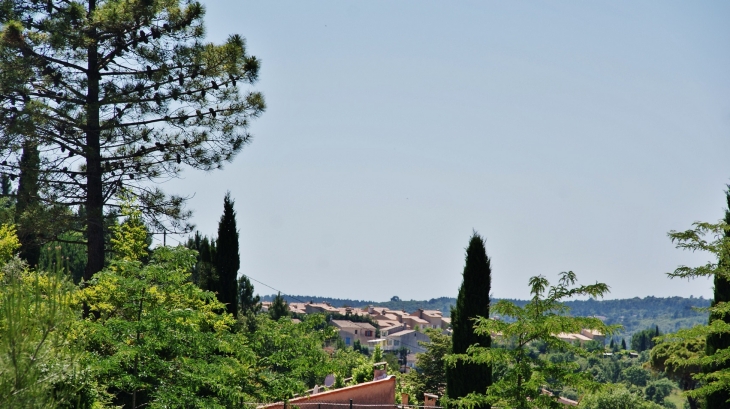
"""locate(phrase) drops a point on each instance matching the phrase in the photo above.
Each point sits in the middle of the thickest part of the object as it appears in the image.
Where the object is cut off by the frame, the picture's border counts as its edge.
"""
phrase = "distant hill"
(635, 314)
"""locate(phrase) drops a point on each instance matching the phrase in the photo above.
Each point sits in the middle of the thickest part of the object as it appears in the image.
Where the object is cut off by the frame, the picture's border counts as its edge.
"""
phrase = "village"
(396, 330)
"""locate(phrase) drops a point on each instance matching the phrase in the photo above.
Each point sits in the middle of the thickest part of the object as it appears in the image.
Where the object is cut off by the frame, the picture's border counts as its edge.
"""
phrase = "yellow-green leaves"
(9, 242)
(129, 239)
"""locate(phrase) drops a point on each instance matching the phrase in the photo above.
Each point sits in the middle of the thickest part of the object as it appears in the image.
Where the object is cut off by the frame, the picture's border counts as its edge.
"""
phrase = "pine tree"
(118, 94)
(248, 302)
(279, 308)
(718, 341)
(472, 302)
(228, 260)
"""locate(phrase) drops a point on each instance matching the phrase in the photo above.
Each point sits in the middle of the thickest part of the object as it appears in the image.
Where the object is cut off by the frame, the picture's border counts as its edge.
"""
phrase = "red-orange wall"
(369, 393)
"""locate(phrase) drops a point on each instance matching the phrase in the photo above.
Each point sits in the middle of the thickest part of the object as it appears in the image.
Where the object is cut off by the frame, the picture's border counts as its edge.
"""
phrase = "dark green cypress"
(472, 302)
(28, 204)
(228, 260)
(715, 341)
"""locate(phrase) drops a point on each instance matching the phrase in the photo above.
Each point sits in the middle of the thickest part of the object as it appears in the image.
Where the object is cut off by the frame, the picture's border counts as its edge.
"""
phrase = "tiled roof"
(350, 324)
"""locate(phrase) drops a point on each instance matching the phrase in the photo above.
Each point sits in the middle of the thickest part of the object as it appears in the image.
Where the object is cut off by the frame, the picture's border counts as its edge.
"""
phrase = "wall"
(380, 392)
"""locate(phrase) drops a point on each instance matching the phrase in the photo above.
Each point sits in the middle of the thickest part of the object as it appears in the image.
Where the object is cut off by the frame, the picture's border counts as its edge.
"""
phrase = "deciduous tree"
(543, 318)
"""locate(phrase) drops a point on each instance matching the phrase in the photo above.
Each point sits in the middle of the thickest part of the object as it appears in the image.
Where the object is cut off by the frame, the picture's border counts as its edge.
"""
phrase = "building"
(351, 331)
(434, 318)
(408, 338)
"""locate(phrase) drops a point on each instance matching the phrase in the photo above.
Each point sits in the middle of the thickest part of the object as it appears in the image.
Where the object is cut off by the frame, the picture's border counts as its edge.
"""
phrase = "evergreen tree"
(248, 302)
(27, 204)
(623, 343)
(472, 302)
(718, 341)
(204, 272)
(5, 185)
(279, 308)
(228, 260)
(118, 94)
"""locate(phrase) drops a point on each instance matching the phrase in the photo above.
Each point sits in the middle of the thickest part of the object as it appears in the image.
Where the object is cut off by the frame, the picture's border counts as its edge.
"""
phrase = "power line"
(279, 291)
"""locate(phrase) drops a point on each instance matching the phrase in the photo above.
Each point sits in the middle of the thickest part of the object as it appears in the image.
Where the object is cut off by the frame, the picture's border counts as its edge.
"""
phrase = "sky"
(570, 135)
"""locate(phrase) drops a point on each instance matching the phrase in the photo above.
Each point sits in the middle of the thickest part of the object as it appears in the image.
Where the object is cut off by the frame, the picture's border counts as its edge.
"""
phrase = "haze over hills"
(634, 314)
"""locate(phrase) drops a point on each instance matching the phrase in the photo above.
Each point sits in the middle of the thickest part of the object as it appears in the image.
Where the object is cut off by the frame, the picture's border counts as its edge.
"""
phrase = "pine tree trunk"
(94, 194)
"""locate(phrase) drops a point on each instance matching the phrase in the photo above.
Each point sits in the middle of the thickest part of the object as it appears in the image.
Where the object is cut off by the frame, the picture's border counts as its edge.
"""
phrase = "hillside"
(635, 314)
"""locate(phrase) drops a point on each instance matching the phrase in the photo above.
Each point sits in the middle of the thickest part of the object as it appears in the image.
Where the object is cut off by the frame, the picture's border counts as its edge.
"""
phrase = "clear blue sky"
(571, 135)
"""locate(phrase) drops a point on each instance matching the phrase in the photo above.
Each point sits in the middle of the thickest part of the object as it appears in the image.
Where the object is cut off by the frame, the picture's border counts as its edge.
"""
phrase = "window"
(396, 342)
(368, 333)
(355, 332)
(347, 340)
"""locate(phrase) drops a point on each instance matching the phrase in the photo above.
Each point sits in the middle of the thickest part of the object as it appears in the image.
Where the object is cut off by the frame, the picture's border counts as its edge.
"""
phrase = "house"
(594, 335)
(315, 308)
(573, 337)
(434, 317)
(351, 331)
(415, 322)
(392, 328)
(297, 308)
(408, 338)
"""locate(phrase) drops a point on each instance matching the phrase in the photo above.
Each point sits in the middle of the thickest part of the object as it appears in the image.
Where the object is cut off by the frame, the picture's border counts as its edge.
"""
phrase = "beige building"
(434, 318)
(351, 331)
(408, 338)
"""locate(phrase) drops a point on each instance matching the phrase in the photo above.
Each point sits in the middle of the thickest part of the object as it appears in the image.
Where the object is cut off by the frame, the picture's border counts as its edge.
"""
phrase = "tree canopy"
(524, 375)
(117, 94)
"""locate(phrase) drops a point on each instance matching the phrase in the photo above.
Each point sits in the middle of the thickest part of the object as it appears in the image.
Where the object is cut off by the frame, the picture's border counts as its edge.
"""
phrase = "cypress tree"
(623, 343)
(27, 204)
(228, 260)
(472, 302)
(715, 341)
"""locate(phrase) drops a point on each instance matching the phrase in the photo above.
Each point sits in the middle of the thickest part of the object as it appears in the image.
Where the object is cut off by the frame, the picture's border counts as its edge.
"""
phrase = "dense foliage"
(523, 375)
(151, 337)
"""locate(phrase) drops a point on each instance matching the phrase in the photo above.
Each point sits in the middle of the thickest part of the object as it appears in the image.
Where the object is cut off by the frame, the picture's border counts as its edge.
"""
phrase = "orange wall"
(368, 393)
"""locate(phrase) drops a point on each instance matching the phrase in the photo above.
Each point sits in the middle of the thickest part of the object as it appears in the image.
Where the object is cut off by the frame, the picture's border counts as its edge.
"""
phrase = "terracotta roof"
(416, 319)
(350, 324)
